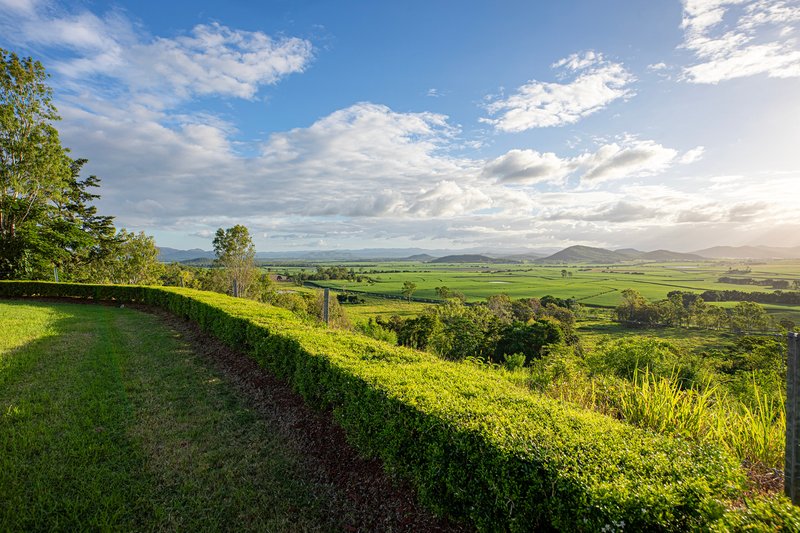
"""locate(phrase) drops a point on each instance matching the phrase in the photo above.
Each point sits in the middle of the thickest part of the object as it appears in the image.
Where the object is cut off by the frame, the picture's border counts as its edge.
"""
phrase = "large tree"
(46, 216)
(236, 254)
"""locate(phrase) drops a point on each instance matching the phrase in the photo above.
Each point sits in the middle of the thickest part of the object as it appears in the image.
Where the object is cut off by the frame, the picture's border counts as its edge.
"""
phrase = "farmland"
(596, 286)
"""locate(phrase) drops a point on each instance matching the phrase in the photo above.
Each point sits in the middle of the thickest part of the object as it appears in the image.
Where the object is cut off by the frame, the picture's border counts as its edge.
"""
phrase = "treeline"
(500, 330)
(769, 282)
(684, 309)
(323, 273)
(776, 297)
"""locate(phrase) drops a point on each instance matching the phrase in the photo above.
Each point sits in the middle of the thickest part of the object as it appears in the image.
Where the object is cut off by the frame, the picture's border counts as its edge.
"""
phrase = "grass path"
(108, 420)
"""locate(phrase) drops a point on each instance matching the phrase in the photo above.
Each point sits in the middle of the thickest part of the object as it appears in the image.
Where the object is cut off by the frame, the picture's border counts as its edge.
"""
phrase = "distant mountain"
(468, 258)
(422, 258)
(750, 252)
(633, 253)
(522, 258)
(666, 255)
(584, 254)
(365, 254)
(171, 255)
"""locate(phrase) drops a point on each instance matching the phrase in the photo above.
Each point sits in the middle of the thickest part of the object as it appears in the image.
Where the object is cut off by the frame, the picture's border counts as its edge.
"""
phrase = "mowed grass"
(109, 421)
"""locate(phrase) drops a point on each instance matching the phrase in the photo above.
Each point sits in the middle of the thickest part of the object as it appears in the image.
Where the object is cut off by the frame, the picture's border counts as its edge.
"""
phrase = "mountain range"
(572, 254)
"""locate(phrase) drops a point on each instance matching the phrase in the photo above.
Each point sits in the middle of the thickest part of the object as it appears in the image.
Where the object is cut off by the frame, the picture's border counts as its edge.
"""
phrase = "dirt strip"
(372, 500)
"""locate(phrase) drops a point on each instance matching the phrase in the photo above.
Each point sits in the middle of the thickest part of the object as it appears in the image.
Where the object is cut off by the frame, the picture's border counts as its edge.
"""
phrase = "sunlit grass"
(108, 421)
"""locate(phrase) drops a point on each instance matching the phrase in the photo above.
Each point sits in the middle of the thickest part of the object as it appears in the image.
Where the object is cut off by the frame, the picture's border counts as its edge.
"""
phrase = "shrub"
(625, 357)
(475, 446)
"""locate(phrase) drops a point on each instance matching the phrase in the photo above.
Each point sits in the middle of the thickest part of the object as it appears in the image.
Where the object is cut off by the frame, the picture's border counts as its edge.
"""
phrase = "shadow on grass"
(109, 421)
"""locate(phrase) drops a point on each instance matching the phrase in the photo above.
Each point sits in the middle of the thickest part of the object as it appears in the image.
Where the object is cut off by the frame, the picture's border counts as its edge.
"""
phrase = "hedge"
(476, 447)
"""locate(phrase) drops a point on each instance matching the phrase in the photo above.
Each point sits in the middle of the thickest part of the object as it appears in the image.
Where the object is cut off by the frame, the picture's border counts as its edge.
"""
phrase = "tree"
(46, 216)
(500, 306)
(33, 165)
(528, 339)
(749, 316)
(409, 287)
(129, 259)
(236, 254)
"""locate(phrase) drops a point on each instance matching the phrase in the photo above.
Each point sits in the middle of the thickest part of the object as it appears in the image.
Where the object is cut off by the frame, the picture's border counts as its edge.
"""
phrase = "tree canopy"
(46, 217)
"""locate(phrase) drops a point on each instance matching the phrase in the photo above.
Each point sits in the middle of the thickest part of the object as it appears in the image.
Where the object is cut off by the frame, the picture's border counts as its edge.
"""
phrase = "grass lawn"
(108, 420)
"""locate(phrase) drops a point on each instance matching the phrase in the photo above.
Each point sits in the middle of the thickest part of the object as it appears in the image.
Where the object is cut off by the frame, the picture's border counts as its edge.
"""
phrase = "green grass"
(592, 332)
(109, 421)
(374, 306)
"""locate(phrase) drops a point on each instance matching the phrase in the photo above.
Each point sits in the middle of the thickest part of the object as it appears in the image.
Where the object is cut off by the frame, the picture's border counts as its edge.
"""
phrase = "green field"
(103, 427)
(590, 285)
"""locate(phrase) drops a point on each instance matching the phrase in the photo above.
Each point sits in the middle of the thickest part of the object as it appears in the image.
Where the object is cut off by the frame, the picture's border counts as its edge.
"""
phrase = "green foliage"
(627, 356)
(514, 361)
(236, 255)
(659, 403)
(409, 288)
(761, 515)
(528, 339)
(474, 444)
(129, 259)
(46, 217)
(370, 328)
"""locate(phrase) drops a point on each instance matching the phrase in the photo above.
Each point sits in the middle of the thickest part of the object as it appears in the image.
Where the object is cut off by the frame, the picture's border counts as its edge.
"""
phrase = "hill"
(666, 255)
(632, 253)
(522, 258)
(422, 258)
(468, 258)
(584, 254)
(171, 255)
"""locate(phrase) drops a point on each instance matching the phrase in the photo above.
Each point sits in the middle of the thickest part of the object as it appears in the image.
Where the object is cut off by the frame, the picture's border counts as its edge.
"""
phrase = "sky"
(326, 125)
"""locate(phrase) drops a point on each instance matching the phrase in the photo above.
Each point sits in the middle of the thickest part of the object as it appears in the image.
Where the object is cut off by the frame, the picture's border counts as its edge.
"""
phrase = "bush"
(376, 331)
(475, 446)
(625, 357)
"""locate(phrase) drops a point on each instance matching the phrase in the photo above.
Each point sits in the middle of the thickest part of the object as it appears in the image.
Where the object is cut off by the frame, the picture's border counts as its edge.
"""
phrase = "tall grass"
(756, 434)
(753, 430)
(659, 403)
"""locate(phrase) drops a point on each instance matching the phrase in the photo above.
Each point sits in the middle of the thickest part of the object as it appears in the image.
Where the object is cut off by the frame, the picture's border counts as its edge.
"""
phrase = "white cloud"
(527, 166)
(637, 158)
(657, 67)
(614, 161)
(737, 38)
(695, 154)
(19, 6)
(597, 82)
(212, 59)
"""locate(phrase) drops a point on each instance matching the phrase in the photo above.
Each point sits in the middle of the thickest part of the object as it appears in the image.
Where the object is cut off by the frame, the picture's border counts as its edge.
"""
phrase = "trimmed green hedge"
(475, 446)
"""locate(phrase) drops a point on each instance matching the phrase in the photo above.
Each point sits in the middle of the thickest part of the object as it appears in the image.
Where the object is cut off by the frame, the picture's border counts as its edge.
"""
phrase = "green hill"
(584, 254)
(468, 258)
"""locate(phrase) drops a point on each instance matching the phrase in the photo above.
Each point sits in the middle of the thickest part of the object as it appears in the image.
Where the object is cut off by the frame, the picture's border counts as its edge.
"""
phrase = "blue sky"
(324, 125)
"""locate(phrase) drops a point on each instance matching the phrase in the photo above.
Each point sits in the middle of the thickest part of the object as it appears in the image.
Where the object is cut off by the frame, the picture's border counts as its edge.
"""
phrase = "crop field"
(590, 285)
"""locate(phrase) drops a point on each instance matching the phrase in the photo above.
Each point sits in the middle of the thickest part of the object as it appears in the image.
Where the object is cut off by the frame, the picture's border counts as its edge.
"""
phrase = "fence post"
(791, 482)
(326, 295)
